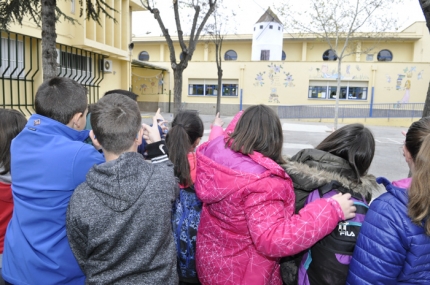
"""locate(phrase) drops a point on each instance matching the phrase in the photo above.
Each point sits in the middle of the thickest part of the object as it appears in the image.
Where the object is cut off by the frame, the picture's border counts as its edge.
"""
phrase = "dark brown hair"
(11, 124)
(418, 144)
(355, 144)
(60, 99)
(129, 94)
(187, 127)
(258, 129)
(116, 121)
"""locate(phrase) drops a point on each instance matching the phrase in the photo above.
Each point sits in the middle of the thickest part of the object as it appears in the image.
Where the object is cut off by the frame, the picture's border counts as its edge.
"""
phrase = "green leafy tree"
(45, 14)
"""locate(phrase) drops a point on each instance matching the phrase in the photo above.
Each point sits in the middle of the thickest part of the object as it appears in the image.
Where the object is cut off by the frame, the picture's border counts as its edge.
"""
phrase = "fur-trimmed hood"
(310, 169)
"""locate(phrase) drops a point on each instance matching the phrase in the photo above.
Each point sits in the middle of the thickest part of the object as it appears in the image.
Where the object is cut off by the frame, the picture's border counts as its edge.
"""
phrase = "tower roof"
(269, 16)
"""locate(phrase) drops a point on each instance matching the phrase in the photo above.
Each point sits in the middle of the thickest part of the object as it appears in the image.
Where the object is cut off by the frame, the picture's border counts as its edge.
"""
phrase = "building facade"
(97, 56)
(277, 69)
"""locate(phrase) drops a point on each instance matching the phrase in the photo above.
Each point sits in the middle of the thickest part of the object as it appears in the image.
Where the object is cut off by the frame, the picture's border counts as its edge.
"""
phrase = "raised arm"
(275, 231)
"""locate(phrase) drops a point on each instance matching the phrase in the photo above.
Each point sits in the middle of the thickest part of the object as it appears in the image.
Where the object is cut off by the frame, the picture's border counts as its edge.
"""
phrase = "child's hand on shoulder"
(346, 204)
(151, 133)
(218, 121)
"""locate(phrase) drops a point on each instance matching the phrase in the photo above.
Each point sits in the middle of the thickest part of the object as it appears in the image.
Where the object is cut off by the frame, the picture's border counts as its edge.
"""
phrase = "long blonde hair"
(419, 192)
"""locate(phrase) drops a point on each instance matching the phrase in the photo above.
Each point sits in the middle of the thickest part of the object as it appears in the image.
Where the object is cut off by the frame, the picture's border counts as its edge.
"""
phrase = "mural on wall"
(259, 80)
(420, 75)
(404, 83)
(325, 72)
(146, 85)
(274, 97)
(288, 80)
(277, 78)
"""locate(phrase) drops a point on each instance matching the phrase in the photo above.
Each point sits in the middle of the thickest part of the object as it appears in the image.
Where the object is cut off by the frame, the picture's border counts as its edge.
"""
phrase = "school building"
(97, 56)
(293, 73)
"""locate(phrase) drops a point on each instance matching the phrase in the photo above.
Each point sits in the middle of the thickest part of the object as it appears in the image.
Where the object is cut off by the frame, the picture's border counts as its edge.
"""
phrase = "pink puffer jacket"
(247, 221)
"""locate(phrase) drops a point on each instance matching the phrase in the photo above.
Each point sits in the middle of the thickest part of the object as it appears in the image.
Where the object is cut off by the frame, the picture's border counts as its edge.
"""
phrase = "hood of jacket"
(114, 182)
(396, 189)
(228, 171)
(311, 168)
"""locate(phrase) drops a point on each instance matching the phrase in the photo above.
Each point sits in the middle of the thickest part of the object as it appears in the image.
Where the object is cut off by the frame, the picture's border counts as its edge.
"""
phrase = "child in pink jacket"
(247, 221)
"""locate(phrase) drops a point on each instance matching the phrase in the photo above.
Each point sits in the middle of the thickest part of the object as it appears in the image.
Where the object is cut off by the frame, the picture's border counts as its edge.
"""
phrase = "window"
(284, 55)
(254, 28)
(271, 27)
(77, 65)
(209, 87)
(230, 55)
(329, 55)
(385, 55)
(12, 58)
(265, 55)
(197, 89)
(144, 56)
(229, 90)
(279, 28)
(261, 27)
(348, 90)
(369, 57)
(74, 61)
(211, 90)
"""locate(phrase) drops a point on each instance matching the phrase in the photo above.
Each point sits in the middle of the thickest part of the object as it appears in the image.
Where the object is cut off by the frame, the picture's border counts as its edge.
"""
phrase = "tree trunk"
(49, 36)
(426, 111)
(219, 93)
(177, 89)
(426, 11)
(339, 77)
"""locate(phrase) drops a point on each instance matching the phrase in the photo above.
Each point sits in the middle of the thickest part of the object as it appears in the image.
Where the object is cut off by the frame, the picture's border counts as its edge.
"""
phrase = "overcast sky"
(248, 12)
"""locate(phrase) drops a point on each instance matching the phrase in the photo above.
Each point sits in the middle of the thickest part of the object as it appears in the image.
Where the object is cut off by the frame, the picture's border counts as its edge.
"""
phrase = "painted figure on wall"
(406, 96)
(274, 97)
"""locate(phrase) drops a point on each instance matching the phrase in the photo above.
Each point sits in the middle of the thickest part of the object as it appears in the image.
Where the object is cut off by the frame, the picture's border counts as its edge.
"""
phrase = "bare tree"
(341, 24)
(425, 6)
(46, 13)
(217, 29)
(206, 7)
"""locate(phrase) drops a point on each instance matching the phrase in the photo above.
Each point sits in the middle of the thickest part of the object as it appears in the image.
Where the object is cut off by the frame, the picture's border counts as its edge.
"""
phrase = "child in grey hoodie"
(118, 220)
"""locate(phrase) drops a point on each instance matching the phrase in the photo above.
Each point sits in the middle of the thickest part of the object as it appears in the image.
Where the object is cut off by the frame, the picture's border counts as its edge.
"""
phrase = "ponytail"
(419, 192)
(178, 144)
(187, 127)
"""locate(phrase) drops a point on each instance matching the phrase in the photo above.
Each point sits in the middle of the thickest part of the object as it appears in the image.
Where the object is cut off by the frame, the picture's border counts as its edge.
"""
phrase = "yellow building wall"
(293, 51)
(405, 79)
(316, 49)
(109, 39)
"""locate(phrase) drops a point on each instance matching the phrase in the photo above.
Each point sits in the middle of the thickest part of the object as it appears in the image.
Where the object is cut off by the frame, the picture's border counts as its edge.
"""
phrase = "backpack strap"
(337, 186)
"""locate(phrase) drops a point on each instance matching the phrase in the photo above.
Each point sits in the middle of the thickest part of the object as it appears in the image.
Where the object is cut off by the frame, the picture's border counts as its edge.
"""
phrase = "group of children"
(231, 210)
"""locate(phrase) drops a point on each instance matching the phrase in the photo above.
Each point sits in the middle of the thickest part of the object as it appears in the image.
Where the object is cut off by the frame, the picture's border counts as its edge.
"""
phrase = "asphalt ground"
(388, 160)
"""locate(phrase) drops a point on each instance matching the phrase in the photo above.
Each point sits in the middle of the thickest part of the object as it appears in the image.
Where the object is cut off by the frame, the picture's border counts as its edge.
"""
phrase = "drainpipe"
(374, 68)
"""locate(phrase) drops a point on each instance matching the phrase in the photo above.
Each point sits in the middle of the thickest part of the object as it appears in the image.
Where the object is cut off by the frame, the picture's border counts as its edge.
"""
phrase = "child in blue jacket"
(394, 245)
(49, 160)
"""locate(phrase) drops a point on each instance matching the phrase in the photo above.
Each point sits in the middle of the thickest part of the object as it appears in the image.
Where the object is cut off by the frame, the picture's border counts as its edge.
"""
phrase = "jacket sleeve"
(85, 158)
(274, 228)
(78, 241)
(380, 251)
(216, 131)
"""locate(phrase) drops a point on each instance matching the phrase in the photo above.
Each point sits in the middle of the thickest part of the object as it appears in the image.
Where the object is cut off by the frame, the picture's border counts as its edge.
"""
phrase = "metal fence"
(385, 110)
(20, 64)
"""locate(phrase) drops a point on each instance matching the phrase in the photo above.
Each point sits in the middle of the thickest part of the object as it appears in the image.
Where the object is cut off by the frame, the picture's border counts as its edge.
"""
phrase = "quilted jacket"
(247, 221)
(390, 248)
